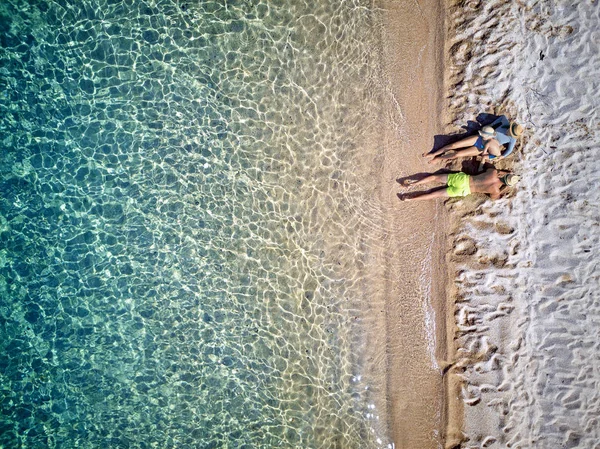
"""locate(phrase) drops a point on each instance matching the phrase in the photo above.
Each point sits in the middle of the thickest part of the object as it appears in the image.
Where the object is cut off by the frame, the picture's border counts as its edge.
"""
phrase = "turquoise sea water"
(181, 236)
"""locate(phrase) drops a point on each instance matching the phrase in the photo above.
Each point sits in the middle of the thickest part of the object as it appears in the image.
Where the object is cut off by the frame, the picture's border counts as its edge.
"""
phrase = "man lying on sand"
(460, 184)
(484, 145)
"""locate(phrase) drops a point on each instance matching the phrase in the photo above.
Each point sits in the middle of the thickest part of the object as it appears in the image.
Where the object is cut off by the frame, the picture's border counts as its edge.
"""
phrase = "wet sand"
(412, 265)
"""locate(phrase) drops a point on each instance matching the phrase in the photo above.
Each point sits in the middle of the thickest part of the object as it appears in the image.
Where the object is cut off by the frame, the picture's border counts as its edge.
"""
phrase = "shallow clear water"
(181, 236)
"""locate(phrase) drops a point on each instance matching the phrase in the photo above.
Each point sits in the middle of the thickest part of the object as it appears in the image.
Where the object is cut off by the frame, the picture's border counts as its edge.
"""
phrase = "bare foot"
(408, 182)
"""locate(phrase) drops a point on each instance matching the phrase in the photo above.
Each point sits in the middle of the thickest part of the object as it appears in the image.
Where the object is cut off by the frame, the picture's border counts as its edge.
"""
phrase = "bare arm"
(486, 147)
(494, 148)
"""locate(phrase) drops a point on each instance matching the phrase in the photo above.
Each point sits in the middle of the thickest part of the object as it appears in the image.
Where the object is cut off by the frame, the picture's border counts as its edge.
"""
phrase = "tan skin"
(487, 182)
(466, 148)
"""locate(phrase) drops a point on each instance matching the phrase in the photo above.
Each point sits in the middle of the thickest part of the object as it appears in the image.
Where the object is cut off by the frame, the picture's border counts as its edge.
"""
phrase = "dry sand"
(413, 278)
(526, 271)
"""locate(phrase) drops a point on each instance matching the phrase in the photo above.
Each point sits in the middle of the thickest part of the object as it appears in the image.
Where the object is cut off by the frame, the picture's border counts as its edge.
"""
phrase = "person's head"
(515, 130)
(510, 179)
(487, 132)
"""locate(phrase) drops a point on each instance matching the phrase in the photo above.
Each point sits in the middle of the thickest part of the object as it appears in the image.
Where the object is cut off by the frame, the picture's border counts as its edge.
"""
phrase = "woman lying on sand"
(484, 145)
(460, 184)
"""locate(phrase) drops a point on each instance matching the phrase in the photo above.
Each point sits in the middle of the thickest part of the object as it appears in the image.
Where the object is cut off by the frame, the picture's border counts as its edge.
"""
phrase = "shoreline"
(416, 311)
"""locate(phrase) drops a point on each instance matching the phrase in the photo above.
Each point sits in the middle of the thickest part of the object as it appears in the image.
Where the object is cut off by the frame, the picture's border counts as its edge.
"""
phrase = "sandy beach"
(522, 282)
(523, 271)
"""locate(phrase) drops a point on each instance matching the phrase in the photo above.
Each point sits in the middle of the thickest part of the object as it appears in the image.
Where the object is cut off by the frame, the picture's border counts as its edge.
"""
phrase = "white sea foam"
(528, 316)
(428, 310)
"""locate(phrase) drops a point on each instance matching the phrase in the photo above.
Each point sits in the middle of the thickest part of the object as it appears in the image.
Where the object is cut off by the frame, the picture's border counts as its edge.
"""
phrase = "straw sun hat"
(515, 130)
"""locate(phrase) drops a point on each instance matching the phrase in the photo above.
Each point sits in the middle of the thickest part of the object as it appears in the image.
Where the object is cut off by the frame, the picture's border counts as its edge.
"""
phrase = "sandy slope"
(527, 271)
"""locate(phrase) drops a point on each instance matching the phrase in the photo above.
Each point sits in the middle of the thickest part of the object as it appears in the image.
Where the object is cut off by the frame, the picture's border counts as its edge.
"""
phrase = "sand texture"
(411, 298)
(527, 309)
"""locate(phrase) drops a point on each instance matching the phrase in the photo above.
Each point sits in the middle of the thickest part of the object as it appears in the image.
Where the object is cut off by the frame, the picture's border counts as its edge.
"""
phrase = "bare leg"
(440, 193)
(463, 143)
(443, 178)
(471, 151)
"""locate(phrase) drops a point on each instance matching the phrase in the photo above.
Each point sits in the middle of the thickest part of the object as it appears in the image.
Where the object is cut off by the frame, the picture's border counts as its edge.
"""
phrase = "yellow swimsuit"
(458, 184)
